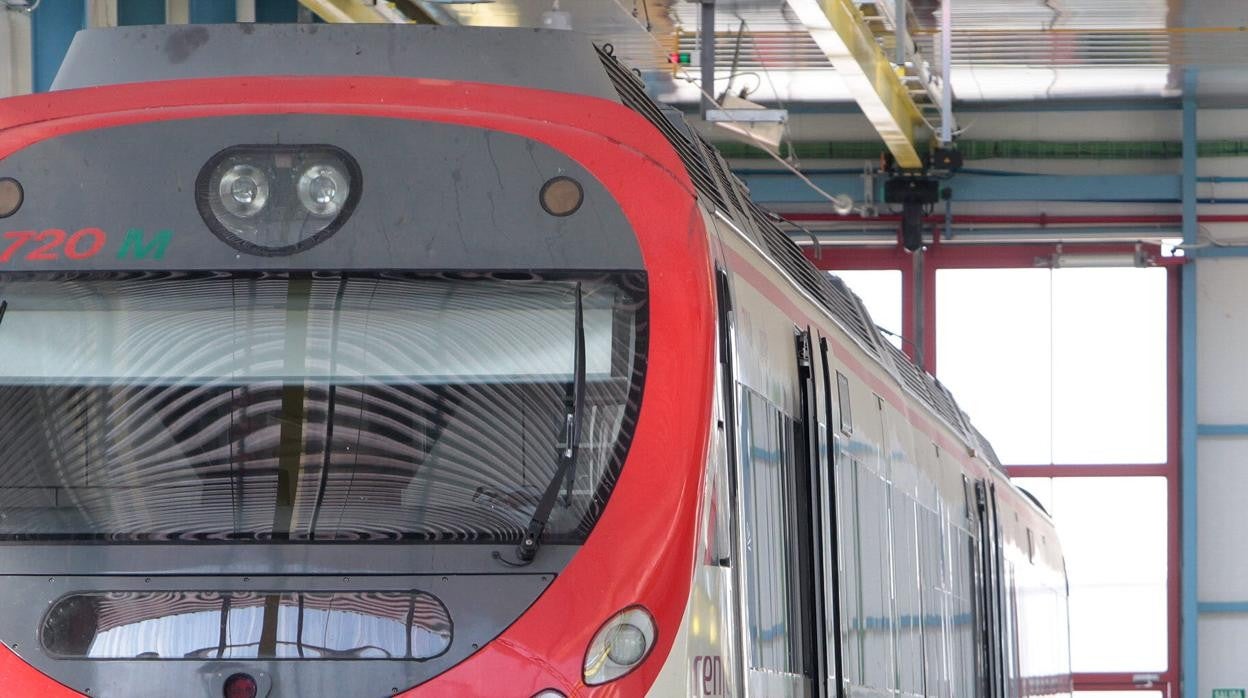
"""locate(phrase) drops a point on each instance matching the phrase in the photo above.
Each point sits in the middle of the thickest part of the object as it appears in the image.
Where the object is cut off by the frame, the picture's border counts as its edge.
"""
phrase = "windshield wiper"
(574, 409)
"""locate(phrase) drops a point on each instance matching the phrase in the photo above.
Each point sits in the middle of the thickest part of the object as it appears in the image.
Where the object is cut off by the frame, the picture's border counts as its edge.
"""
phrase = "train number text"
(54, 244)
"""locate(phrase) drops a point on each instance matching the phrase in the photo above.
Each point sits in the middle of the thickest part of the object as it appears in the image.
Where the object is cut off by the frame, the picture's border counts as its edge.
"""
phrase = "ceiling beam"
(841, 32)
(357, 11)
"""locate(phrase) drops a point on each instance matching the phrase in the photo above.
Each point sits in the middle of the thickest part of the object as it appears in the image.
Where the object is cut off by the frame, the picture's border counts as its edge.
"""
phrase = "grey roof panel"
(534, 58)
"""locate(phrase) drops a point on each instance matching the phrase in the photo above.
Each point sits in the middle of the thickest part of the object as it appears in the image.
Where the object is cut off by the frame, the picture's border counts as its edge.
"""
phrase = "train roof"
(534, 58)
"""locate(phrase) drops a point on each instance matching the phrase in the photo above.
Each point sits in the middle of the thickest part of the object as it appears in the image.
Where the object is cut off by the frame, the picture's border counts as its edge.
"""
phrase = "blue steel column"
(1188, 611)
(52, 27)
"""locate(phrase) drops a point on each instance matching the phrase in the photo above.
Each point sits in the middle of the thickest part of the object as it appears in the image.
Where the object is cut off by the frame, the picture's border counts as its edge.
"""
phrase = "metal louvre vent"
(942, 400)
(633, 94)
(914, 377)
(985, 449)
(844, 304)
(715, 182)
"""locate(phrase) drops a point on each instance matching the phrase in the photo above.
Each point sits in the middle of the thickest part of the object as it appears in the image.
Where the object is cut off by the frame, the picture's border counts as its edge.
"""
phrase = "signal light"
(277, 200)
(240, 685)
(562, 196)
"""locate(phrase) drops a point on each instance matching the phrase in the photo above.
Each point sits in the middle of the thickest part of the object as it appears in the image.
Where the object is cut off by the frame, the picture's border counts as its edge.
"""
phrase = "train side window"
(769, 541)
(842, 397)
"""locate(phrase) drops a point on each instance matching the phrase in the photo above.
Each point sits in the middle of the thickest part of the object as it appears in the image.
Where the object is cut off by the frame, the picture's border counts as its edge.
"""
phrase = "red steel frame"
(940, 255)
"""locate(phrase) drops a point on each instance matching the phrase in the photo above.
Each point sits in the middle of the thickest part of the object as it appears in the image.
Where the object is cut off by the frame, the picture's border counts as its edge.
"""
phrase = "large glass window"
(1109, 529)
(1045, 340)
(149, 407)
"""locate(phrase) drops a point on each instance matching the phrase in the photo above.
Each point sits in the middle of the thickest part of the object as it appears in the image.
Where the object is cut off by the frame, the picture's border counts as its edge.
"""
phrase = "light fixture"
(1079, 260)
(277, 200)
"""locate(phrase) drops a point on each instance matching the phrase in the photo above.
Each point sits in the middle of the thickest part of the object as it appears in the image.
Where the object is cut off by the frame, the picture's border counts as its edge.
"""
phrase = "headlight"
(244, 191)
(619, 646)
(277, 200)
(323, 190)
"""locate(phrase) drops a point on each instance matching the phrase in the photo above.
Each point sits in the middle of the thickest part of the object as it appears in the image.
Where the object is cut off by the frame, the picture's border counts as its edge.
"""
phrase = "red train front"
(380, 360)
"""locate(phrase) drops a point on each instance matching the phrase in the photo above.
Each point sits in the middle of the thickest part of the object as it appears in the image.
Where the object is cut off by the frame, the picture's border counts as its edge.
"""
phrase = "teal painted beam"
(1222, 430)
(136, 12)
(1222, 607)
(212, 12)
(277, 11)
(52, 28)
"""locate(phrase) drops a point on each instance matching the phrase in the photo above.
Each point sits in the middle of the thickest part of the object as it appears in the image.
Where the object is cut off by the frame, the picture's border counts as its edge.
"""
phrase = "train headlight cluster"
(619, 646)
(276, 200)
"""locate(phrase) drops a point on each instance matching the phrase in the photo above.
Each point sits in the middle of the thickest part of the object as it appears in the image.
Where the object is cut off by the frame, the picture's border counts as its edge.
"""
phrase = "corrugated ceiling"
(1002, 49)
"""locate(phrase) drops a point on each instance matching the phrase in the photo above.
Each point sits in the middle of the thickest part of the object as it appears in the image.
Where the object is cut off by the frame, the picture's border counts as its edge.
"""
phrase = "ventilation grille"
(633, 94)
(719, 187)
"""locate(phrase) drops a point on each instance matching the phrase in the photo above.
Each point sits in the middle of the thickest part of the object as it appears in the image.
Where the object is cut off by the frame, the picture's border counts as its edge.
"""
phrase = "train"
(429, 361)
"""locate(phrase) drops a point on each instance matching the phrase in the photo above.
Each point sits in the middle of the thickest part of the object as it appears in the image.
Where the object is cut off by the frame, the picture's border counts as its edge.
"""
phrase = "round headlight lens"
(323, 189)
(619, 646)
(244, 190)
(627, 644)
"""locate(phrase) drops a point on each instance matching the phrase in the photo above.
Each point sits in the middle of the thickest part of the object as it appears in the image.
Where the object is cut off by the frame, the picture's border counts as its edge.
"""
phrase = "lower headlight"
(619, 646)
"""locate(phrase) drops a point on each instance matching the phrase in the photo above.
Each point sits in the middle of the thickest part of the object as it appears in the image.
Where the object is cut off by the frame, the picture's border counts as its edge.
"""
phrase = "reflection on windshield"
(231, 625)
(327, 407)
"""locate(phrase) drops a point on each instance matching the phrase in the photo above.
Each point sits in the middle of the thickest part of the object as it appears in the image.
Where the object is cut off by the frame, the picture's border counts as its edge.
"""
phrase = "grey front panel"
(479, 605)
(433, 197)
(534, 58)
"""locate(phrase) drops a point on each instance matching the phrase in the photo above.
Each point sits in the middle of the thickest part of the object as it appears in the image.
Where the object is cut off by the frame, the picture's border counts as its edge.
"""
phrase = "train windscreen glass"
(334, 407)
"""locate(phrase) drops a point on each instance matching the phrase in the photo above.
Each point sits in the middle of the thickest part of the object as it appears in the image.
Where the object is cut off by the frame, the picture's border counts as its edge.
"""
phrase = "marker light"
(619, 646)
(561, 196)
(11, 196)
(277, 200)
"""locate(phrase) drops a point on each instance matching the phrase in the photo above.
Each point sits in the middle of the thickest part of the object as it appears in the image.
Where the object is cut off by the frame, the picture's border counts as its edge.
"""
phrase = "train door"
(773, 542)
(726, 527)
(992, 622)
(828, 481)
(810, 484)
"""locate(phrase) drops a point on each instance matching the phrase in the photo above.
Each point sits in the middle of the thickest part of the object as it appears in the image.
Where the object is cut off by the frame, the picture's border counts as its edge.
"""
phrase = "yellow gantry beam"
(348, 11)
(840, 30)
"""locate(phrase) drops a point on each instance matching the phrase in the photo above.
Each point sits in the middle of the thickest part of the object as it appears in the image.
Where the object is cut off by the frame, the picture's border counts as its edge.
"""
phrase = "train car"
(368, 361)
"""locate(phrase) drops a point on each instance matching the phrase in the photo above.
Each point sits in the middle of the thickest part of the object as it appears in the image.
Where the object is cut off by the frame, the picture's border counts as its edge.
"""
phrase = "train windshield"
(313, 407)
